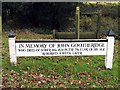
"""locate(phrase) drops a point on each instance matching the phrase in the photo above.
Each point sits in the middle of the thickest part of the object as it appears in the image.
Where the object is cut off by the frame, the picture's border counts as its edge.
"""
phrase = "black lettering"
(51, 45)
(28, 45)
(102, 45)
(36, 45)
(21, 45)
(21, 50)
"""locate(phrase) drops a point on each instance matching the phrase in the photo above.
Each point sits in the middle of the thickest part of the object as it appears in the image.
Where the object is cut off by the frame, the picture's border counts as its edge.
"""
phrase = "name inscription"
(60, 48)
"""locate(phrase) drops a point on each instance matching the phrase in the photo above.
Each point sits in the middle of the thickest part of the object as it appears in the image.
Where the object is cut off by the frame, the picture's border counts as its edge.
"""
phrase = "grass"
(56, 72)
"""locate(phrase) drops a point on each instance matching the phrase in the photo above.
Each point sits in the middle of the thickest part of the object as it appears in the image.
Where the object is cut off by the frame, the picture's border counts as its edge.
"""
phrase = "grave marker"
(65, 47)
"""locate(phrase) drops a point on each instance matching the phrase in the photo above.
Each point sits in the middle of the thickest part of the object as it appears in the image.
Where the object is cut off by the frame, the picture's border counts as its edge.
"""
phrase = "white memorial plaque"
(60, 48)
(57, 47)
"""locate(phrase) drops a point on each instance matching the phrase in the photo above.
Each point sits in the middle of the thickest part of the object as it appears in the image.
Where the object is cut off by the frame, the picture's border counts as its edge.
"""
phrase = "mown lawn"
(57, 72)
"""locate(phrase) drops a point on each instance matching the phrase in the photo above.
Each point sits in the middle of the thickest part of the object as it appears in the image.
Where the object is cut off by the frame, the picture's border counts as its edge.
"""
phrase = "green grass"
(56, 72)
